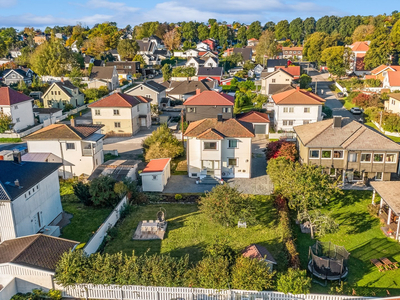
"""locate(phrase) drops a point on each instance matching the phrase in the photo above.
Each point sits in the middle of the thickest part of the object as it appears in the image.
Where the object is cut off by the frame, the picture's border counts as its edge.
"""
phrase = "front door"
(209, 166)
(143, 122)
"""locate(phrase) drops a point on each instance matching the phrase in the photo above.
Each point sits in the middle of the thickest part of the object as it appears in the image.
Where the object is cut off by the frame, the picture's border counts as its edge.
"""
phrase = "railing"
(87, 152)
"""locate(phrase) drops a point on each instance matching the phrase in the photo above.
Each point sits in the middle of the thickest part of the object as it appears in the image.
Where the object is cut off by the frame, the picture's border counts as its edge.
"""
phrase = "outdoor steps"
(209, 180)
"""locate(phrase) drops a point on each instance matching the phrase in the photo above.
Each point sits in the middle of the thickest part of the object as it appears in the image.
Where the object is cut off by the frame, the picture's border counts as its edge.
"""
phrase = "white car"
(356, 111)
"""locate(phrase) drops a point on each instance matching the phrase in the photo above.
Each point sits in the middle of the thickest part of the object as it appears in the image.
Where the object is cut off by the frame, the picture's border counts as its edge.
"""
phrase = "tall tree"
(189, 31)
(282, 30)
(316, 43)
(269, 26)
(223, 34)
(337, 59)
(214, 31)
(203, 32)
(254, 30)
(362, 33)
(395, 36)
(296, 30)
(127, 49)
(267, 46)
(166, 72)
(309, 26)
(172, 39)
(94, 46)
(241, 35)
(380, 49)
(211, 22)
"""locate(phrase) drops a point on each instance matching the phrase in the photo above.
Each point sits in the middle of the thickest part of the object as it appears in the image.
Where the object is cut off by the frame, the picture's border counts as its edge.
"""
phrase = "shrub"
(221, 248)
(294, 259)
(178, 197)
(326, 110)
(364, 100)
(210, 272)
(102, 191)
(82, 192)
(295, 281)
(373, 82)
(373, 209)
(68, 107)
(281, 148)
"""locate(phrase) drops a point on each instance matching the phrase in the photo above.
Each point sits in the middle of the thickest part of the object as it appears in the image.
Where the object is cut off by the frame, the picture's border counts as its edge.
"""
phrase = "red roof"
(120, 100)
(293, 48)
(394, 78)
(253, 117)
(381, 68)
(360, 47)
(10, 97)
(297, 97)
(295, 71)
(210, 98)
(156, 165)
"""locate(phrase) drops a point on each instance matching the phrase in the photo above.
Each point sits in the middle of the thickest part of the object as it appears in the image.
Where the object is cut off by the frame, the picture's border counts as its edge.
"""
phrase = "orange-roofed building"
(156, 174)
(258, 120)
(295, 71)
(122, 114)
(292, 52)
(357, 65)
(381, 71)
(296, 107)
(391, 81)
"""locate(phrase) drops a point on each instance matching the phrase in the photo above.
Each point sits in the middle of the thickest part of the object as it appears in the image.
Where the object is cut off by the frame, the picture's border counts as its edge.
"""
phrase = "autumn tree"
(267, 46)
(337, 59)
(281, 148)
(362, 33)
(127, 49)
(94, 46)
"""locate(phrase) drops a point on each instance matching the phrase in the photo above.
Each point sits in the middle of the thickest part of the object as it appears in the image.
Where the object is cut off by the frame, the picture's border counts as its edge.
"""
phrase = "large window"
(326, 153)
(70, 146)
(378, 157)
(233, 143)
(226, 109)
(233, 162)
(210, 145)
(390, 158)
(365, 157)
(314, 153)
(288, 109)
(338, 154)
(97, 112)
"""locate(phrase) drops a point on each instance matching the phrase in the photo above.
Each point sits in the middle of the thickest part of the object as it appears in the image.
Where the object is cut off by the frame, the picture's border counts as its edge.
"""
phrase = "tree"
(214, 31)
(76, 76)
(254, 30)
(305, 81)
(166, 72)
(127, 49)
(108, 32)
(296, 30)
(395, 35)
(320, 223)
(309, 26)
(327, 24)
(281, 148)
(172, 39)
(267, 46)
(269, 26)
(337, 59)
(140, 59)
(242, 35)
(211, 272)
(380, 49)
(5, 122)
(102, 191)
(362, 33)
(81, 191)
(211, 22)
(226, 205)
(317, 43)
(183, 72)
(282, 30)
(189, 31)
(223, 34)
(94, 46)
(203, 32)
(295, 281)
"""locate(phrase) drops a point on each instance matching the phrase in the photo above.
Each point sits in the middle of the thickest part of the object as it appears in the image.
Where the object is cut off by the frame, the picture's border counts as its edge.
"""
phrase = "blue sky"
(42, 13)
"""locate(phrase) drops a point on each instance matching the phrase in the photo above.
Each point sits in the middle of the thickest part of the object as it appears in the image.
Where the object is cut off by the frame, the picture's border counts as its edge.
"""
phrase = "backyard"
(360, 234)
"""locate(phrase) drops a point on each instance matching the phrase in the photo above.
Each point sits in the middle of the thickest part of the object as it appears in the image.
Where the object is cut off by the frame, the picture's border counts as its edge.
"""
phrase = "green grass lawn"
(347, 103)
(10, 140)
(360, 234)
(109, 156)
(189, 232)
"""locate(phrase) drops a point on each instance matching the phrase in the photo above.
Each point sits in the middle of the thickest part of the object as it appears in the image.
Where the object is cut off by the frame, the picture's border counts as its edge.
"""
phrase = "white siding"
(157, 184)
(21, 113)
(298, 116)
(7, 225)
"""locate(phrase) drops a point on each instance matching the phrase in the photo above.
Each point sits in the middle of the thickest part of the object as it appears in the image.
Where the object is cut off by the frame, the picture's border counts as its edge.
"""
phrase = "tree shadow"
(358, 221)
(350, 198)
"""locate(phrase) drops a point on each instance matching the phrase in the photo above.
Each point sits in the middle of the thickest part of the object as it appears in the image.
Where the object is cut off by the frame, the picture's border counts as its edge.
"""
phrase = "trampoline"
(328, 261)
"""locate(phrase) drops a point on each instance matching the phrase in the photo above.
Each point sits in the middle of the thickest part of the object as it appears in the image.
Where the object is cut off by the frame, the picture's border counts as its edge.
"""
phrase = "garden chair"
(389, 263)
(378, 264)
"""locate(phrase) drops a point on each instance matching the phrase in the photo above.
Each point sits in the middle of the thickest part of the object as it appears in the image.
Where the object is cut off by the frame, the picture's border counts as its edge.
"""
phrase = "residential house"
(256, 71)
(252, 42)
(40, 39)
(202, 46)
(30, 262)
(125, 69)
(156, 174)
(104, 76)
(346, 148)
(212, 43)
(122, 114)
(295, 71)
(258, 120)
(233, 71)
(187, 53)
(4, 61)
(206, 54)
(149, 89)
(219, 148)
(393, 104)
(115, 54)
(15, 52)
(292, 53)
(47, 113)
(247, 53)
(256, 251)
(296, 107)
(182, 90)
(63, 93)
(60, 36)
(196, 62)
(206, 72)
(149, 45)
(91, 60)
(272, 63)
(227, 81)
(209, 104)
(275, 81)
(380, 72)
(391, 81)
(151, 59)
(15, 76)
(79, 146)
(18, 106)
(210, 62)
(359, 49)
(162, 54)
(75, 48)
(29, 198)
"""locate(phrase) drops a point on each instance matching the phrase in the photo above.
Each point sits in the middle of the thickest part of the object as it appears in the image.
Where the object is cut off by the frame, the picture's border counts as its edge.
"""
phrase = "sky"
(43, 13)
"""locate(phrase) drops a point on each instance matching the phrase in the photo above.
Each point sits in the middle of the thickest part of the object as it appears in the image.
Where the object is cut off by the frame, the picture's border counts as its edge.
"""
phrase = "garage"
(260, 129)
(259, 121)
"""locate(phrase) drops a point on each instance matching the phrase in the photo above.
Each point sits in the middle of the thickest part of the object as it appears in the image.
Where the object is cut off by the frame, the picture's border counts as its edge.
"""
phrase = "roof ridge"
(355, 134)
(240, 123)
(329, 124)
(198, 123)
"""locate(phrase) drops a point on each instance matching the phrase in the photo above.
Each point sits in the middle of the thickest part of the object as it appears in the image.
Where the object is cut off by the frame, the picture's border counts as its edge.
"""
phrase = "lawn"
(347, 103)
(10, 140)
(189, 232)
(360, 234)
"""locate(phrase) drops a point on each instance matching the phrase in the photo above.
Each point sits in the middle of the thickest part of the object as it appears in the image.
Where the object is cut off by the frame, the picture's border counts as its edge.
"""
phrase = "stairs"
(209, 180)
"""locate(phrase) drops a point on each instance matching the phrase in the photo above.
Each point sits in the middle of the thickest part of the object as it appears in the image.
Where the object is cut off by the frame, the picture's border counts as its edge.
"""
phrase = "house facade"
(391, 81)
(156, 174)
(186, 54)
(218, 148)
(18, 106)
(122, 114)
(29, 198)
(357, 65)
(292, 52)
(104, 76)
(15, 76)
(393, 104)
(257, 120)
(125, 69)
(346, 148)
(61, 93)
(209, 104)
(210, 72)
(275, 81)
(149, 89)
(80, 146)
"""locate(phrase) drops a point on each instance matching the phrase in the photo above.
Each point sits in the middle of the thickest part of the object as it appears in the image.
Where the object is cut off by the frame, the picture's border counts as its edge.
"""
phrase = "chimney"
(62, 79)
(197, 91)
(17, 157)
(219, 117)
(16, 183)
(73, 124)
(298, 88)
(337, 122)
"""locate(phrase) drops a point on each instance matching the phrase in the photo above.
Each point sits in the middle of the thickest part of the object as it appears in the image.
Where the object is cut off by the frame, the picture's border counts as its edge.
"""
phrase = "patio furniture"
(389, 263)
(378, 264)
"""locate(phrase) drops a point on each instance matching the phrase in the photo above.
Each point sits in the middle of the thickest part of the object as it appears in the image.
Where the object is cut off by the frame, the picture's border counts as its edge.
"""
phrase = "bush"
(102, 191)
(364, 100)
(221, 248)
(373, 82)
(373, 209)
(178, 197)
(210, 272)
(37, 294)
(82, 192)
(326, 110)
(281, 148)
(295, 281)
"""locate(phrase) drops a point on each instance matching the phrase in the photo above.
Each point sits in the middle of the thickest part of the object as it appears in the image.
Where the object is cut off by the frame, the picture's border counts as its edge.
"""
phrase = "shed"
(259, 121)
(259, 252)
(156, 174)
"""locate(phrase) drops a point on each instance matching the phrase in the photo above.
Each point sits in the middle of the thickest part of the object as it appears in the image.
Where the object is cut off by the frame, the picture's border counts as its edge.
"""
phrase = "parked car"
(356, 111)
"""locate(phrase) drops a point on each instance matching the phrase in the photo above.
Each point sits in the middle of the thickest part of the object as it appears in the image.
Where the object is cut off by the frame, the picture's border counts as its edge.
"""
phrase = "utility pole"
(380, 121)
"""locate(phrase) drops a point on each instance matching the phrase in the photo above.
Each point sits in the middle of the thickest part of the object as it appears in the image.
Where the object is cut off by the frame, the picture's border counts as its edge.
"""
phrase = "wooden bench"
(388, 263)
(378, 264)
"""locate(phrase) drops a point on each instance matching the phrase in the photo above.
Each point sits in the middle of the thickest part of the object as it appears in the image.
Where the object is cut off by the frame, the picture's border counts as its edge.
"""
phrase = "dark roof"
(9, 96)
(272, 63)
(146, 45)
(151, 85)
(203, 71)
(19, 71)
(37, 251)
(102, 72)
(63, 132)
(278, 88)
(27, 173)
(87, 59)
(50, 110)
(190, 87)
(162, 52)
(226, 128)
(246, 52)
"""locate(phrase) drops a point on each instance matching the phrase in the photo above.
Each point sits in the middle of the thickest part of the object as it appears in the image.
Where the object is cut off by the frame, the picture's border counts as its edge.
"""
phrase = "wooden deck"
(388, 230)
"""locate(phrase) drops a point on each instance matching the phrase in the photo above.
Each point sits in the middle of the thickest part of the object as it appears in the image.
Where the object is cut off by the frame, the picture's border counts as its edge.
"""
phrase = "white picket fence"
(94, 243)
(132, 292)
(341, 88)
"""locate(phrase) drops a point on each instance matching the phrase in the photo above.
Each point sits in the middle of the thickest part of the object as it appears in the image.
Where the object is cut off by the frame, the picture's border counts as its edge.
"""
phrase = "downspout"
(62, 158)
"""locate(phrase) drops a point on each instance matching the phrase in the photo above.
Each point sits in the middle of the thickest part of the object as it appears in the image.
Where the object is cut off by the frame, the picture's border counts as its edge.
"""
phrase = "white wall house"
(29, 198)
(296, 107)
(18, 106)
(221, 149)
(187, 53)
(275, 81)
(156, 174)
(80, 146)
(149, 89)
(391, 80)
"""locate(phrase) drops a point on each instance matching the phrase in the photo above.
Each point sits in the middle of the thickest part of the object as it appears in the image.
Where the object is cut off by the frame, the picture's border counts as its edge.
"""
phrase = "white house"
(47, 113)
(156, 174)
(202, 46)
(80, 146)
(29, 198)
(256, 71)
(219, 148)
(296, 107)
(391, 80)
(149, 89)
(359, 50)
(187, 53)
(104, 76)
(18, 106)
(275, 81)
(122, 113)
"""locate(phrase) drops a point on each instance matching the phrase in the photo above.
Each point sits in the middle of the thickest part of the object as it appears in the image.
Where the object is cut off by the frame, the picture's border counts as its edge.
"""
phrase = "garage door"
(260, 129)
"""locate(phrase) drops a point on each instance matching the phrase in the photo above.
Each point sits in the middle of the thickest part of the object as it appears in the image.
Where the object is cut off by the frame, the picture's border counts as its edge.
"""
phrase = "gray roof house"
(149, 89)
(104, 76)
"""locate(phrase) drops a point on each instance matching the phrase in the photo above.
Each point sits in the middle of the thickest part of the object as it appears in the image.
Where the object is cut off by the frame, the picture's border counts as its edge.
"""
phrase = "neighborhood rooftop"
(64, 132)
(120, 100)
(156, 165)
(9, 96)
(210, 98)
(225, 128)
(297, 97)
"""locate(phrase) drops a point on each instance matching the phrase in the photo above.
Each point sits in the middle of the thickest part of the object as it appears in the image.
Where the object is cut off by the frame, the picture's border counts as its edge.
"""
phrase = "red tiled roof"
(394, 78)
(379, 69)
(226, 128)
(258, 252)
(370, 77)
(295, 71)
(156, 165)
(293, 48)
(210, 98)
(63, 132)
(296, 97)
(360, 61)
(210, 134)
(360, 47)
(120, 100)
(10, 97)
(253, 117)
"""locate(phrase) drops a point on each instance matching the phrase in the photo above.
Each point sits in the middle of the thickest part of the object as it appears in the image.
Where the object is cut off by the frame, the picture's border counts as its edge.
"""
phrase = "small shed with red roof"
(259, 121)
(156, 174)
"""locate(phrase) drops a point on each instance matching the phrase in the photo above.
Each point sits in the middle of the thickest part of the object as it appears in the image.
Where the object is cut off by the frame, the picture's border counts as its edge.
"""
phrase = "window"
(17, 120)
(233, 143)
(97, 112)
(70, 146)
(191, 109)
(287, 122)
(210, 146)
(288, 109)
(59, 93)
(365, 157)
(352, 157)
(273, 80)
(116, 112)
(378, 176)
(154, 177)
(326, 153)
(306, 122)
(52, 93)
(232, 162)
(148, 96)
(117, 124)
(306, 109)
(390, 158)
(287, 79)
(393, 102)
(16, 107)
(314, 153)
(338, 154)
(49, 102)
(226, 109)
(378, 157)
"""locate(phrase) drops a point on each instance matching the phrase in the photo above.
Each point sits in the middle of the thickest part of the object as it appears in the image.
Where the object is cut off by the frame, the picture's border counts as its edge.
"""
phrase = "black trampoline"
(328, 261)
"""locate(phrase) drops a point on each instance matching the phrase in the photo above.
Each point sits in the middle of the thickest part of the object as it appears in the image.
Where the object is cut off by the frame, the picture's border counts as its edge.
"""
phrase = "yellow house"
(61, 93)
(393, 104)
